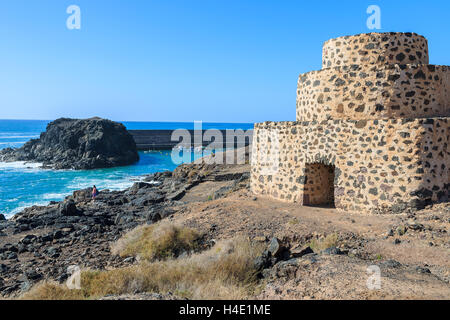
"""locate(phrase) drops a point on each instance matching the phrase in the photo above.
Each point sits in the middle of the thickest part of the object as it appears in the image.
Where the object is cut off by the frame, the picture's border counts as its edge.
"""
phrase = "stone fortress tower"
(372, 130)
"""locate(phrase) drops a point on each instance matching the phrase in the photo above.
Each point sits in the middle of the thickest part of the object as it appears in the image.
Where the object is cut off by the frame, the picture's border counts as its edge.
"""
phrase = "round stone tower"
(374, 76)
(372, 130)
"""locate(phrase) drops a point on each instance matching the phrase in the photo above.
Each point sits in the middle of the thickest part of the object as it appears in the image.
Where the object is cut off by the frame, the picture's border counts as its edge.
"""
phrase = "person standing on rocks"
(94, 192)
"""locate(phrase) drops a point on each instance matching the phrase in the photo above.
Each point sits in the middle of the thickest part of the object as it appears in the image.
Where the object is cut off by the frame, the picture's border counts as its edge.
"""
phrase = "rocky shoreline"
(41, 242)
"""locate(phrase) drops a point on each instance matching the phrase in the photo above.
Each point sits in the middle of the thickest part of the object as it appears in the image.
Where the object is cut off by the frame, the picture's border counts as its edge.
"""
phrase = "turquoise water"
(14, 133)
(23, 185)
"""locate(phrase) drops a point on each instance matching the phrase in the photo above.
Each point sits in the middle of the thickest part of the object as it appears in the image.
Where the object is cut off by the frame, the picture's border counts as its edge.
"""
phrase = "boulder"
(301, 251)
(262, 262)
(68, 208)
(283, 270)
(275, 248)
(3, 268)
(137, 186)
(33, 275)
(82, 195)
(10, 255)
(422, 270)
(415, 226)
(2, 217)
(153, 217)
(9, 247)
(148, 198)
(390, 264)
(28, 239)
(332, 251)
(78, 144)
(52, 252)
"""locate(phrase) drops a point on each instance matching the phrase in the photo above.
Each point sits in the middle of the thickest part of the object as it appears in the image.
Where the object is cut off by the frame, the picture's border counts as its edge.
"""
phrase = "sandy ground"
(415, 265)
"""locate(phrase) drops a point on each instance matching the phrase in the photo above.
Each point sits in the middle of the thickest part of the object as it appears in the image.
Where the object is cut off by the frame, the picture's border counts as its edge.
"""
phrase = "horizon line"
(192, 121)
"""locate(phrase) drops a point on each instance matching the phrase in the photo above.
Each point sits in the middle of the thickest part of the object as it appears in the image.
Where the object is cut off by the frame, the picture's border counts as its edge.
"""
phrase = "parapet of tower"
(374, 76)
(372, 129)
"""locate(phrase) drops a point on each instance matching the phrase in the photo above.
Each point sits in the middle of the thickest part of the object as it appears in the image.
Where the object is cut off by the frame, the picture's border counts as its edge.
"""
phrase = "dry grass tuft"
(225, 271)
(331, 240)
(52, 291)
(157, 242)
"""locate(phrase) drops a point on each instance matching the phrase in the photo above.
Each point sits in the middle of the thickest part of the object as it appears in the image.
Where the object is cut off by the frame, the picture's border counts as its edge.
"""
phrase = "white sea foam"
(106, 184)
(12, 142)
(19, 165)
(52, 196)
(120, 185)
(151, 182)
(24, 206)
(110, 184)
(17, 137)
(21, 133)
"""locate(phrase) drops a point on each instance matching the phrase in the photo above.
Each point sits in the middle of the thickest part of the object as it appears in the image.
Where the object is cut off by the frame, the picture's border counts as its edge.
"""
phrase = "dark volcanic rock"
(275, 247)
(46, 240)
(263, 261)
(302, 251)
(332, 251)
(3, 268)
(78, 144)
(68, 208)
(422, 270)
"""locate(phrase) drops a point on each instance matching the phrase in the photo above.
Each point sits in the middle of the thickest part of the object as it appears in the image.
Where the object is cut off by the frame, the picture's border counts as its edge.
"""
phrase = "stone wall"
(380, 165)
(374, 92)
(375, 48)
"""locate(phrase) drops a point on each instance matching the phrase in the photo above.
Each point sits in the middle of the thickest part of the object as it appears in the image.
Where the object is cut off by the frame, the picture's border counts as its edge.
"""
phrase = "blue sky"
(167, 60)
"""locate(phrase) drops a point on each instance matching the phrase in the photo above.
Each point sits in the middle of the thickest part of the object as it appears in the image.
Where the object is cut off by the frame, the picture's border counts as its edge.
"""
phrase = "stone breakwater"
(169, 139)
(372, 131)
(78, 144)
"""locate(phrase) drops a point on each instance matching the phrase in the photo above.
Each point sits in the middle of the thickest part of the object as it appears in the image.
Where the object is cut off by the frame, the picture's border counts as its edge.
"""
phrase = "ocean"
(24, 185)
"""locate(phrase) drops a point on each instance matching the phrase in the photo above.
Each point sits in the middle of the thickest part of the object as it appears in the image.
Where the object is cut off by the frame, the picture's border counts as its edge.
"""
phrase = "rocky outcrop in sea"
(78, 144)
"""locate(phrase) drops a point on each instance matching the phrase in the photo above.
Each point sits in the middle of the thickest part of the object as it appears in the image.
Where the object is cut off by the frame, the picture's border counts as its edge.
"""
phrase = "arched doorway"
(319, 185)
